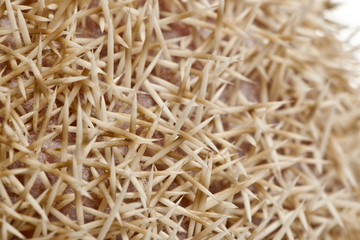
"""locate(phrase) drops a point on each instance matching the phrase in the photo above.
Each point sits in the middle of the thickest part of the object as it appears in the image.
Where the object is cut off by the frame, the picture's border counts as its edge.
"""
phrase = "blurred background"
(348, 14)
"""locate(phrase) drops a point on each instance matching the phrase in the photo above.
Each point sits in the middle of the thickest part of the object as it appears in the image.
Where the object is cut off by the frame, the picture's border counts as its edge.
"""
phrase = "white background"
(348, 13)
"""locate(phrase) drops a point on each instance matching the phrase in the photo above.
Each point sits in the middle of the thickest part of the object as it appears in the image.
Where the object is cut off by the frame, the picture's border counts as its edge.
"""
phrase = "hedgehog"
(178, 119)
